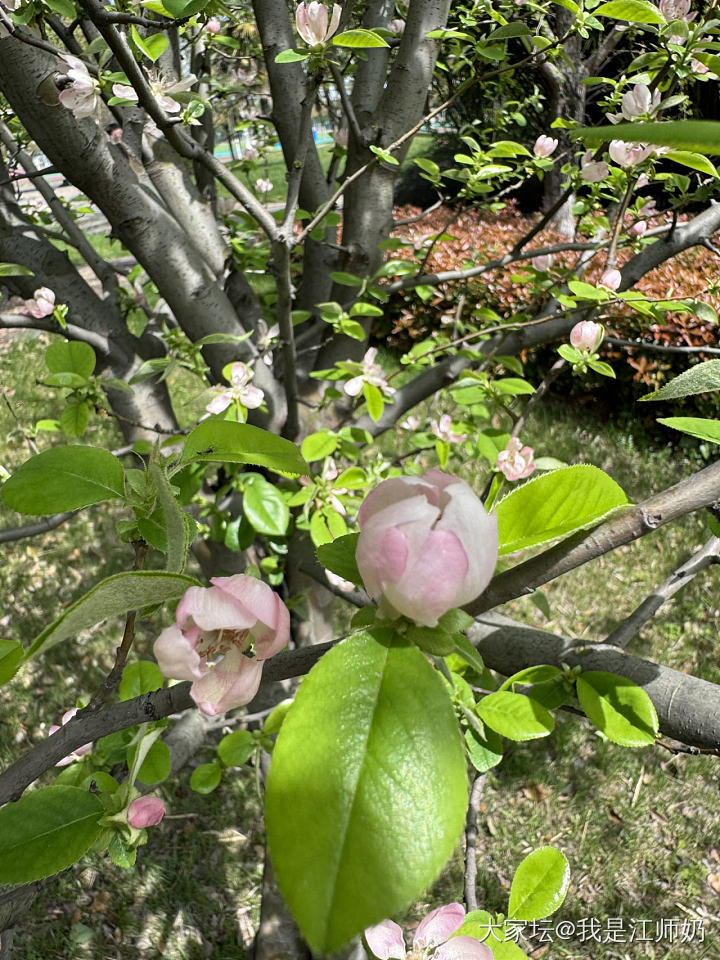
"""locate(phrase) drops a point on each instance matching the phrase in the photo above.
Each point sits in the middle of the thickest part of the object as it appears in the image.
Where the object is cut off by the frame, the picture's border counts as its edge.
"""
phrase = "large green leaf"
(111, 598)
(539, 885)
(701, 378)
(11, 654)
(176, 528)
(698, 136)
(554, 505)
(359, 38)
(698, 427)
(636, 11)
(64, 478)
(231, 442)
(367, 788)
(45, 831)
(618, 707)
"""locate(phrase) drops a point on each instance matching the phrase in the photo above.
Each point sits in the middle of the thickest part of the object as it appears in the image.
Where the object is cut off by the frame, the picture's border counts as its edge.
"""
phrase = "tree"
(269, 307)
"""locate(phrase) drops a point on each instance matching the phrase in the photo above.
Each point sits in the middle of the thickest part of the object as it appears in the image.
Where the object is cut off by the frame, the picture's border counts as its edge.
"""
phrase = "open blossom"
(42, 303)
(81, 95)
(240, 390)
(213, 26)
(593, 171)
(677, 10)
(543, 262)
(263, 186)
(611, 279)
(216, 628)
(587, 336)
(433, 938)
(515, 462)
(372, 373)
(79, 752)
(411, 423)
(311, 20)
(544, 146)
(426, 545)
(163, 90)
(444, 431)
(629, 154)
(145, 812)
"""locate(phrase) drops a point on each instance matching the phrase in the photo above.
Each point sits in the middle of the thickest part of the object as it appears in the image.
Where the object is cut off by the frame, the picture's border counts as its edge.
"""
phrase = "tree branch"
(707, 555)
(700, 490)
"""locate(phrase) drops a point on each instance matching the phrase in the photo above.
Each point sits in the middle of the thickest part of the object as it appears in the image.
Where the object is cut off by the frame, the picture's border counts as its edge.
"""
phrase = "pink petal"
(176, 656)
(252, 397)
(438, 925)
(382, 555)
(463, 948)
(385, 940)
(271, 627)
(220, 402)
(354, 386)
(431, 584)
(211, 608)
(229, 684)
(394, 491)
(477, 530)
(334, 21)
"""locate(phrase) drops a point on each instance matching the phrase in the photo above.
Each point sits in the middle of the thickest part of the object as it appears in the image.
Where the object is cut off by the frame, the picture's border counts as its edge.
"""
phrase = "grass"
(639, 827)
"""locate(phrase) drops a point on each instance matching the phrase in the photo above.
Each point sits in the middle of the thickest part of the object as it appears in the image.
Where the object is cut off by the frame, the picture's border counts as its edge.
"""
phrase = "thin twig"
(708, 554)
(471, 838)
(540, 391)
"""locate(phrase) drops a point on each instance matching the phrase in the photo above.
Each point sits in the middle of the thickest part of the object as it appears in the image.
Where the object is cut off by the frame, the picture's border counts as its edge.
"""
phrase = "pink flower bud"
(611, 279)
(639, 228)
(42, 303)
(213, 26)
(515, 462)
(587, 336)
(145, 812)
(426, 545)
(543, 262)
(544, 146)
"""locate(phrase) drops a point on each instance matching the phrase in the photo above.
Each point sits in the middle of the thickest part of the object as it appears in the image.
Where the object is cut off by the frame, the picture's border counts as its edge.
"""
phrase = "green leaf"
(540, 885)
(142, 676)
(111, 598)
(230, 442)
(700, 378)
(374, 399)
(319, 532)
(265, 506)
(291, 56)
(14, 270)
(11, 654)
(153, 46)
(587, 292)
(365, 310)
(156, 766)
(63, 7)
(484, 927)
(529, 675)
(432, 640)
(636, 11)
(317, 446)
(339, 557)
(485, 752)
(181, 8)
(74, 418)
(554, 505)
(64, 478)
(70, 356)
(277, 717)
(515, 716)
(698, 427)
(345, 279)
(236, 748)
(205, 778)
(46, 831)
(361, 815)
(359, 38)
(696, 161)
(618, 707)
(698, 136)
(178, 532)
